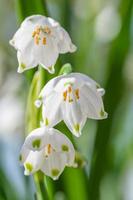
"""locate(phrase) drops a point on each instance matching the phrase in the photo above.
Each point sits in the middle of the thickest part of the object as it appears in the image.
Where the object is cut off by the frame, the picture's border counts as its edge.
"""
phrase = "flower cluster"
(72, 98)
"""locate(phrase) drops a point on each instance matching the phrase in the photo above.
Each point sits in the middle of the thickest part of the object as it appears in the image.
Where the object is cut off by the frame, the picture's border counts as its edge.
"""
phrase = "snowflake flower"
(47, 150)
(72, 98)
(39, 40)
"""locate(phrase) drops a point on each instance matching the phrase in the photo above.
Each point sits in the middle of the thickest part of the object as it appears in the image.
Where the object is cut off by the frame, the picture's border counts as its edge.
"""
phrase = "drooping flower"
(48, 150)
(72, 98)
(39, 40)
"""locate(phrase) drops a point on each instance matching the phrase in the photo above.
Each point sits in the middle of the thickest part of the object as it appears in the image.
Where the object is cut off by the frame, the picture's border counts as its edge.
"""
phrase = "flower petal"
(41, 20)
(26, 61)
(47, 54)
(23, 37)
(62, 144)
(54, 165)
(64, 41)
(48, 88)
(37, 139)
(73, 117)
(33, 162)
(91, 103)
(23, 154)
(52, 110)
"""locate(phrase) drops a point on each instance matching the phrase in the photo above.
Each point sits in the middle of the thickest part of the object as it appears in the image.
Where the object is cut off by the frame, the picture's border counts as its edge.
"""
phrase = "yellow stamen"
(69, 89)
(47, 30)
(77, 93)
(65, 95)
(33, 34)
(49, 148)
(44, 41)
(36, 40)
(38, 30)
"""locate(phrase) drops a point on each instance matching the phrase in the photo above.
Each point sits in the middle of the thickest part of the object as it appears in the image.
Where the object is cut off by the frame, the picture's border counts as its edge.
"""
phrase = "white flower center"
(71, 94)
(40, 33)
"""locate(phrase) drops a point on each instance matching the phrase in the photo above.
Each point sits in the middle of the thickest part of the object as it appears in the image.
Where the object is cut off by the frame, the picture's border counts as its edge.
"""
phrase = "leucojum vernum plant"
(71, 97)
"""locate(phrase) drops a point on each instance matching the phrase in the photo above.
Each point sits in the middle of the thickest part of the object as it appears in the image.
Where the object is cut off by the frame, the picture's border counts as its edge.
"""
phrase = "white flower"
(47, 150)
(72, 98)
(39, 40)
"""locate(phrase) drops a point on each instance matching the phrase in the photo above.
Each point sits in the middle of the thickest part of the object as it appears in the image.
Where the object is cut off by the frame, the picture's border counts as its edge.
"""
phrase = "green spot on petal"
(36, 143)
(102, 113)
(20, 157)
(55, 172)
(22, 65)
(29, 167)
(51, 69)
(98, 86)
(76, 127)
(46, 122)
(65, 147)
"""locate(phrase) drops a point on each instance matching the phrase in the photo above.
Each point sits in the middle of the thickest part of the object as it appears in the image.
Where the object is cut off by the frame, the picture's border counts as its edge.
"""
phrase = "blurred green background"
(103, 33)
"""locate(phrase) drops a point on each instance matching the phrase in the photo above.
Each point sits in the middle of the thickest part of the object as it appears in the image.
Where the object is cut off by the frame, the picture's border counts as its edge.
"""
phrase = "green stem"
(38, 188)
(42, 190)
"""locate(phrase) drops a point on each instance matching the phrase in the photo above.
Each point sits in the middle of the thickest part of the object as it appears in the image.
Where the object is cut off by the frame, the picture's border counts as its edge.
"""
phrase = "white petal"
(26, 61)
(49, 88)
(64, 82)
(33, 162)
(73, 117)
(41, 20)
(37, 139)
(54, 165)
(23, 37)
(46, 55)
(82, 79)
(64, 41)
(62, 144)
(101, 91)
(52, 110)
(91, 103)
(23, 154)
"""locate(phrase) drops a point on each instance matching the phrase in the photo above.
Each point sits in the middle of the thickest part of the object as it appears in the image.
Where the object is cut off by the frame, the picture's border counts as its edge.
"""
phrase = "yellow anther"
(33, 34)
(65, 95)
(69, 89)
(44, 41)
(77, 93)
(48, 150)
(49, 147)
(37, 34)
(47, 30)
(38, 30)
(37, 40)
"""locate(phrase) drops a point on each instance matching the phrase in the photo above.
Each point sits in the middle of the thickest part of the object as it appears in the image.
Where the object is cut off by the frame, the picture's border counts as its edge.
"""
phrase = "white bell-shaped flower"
(39, 40)
(48, 150)
(72, 98)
